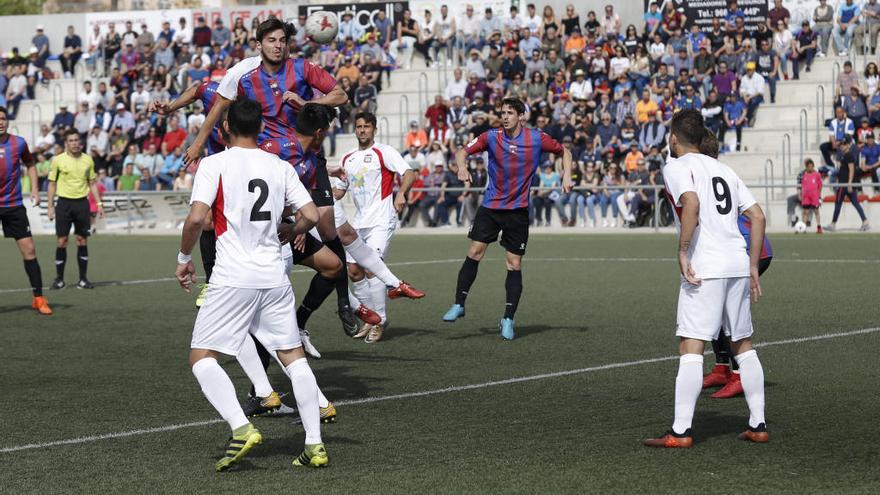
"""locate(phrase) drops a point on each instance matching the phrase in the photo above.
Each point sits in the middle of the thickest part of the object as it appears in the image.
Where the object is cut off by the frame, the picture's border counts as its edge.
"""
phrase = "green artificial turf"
(114, 359)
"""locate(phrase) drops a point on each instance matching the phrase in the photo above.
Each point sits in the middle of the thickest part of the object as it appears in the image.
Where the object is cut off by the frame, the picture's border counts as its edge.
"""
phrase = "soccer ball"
(322, 27)
(800, 227)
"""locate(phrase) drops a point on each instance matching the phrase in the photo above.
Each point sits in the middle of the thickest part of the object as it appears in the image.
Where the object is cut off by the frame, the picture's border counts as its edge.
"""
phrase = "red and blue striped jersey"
(296, 75)
(291, 150)
(14, 153)
(207, 93)
(745, 228)
(513, 162)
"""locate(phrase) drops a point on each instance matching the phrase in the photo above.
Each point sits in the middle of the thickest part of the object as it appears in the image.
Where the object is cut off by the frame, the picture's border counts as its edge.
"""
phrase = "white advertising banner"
(500, 8)
(153, 19)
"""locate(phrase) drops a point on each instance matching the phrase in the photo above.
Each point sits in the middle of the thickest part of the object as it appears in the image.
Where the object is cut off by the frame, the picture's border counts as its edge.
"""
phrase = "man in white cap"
(41, 43)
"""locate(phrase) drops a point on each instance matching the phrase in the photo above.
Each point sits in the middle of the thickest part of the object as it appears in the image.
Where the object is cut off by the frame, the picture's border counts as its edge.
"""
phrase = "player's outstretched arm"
(567, 183)
(463, 173)
(185, 98)
(690, 217)
(756, 239)
(335, 98)
(406, 183)
(192, 230)
(306, 218)
(194, 152)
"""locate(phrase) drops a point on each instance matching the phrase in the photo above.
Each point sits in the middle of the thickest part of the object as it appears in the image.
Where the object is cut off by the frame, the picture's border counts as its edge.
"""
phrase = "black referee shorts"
(73, 212)
(312, 246)
(15, 222)
(512, 224)
(322, 194)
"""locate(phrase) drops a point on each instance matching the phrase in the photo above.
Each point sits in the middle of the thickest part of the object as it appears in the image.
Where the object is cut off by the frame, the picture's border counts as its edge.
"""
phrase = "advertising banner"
(364, 12)
(153, 19)
(702, 12)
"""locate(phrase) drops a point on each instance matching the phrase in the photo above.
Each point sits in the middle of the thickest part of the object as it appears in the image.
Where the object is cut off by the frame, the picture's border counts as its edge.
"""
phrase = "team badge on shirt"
(512, 149)
(273, 85)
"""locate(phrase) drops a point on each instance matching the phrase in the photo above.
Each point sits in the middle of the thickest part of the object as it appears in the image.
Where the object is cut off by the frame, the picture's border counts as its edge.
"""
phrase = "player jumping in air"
(250, 191)
(14, 153)
(514, 156)
(371, 170)
(719, 277)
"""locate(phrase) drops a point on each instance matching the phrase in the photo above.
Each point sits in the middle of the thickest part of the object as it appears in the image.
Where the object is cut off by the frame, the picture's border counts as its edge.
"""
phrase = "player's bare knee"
(741, 346)
(196, 355)
(81, 241)
(476, 251)
(62, 242)
(355, 272)
(347, 234)
(288, 356)
(26, 246)
(691, 346)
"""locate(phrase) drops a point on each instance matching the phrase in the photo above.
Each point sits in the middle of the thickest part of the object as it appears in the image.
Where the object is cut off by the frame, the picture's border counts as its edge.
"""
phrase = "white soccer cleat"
(307, 344)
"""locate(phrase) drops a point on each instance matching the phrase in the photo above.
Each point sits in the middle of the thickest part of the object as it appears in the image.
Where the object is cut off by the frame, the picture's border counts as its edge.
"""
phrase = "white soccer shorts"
(377, 238)
(230, 313)
(339, 217)
(715, 304)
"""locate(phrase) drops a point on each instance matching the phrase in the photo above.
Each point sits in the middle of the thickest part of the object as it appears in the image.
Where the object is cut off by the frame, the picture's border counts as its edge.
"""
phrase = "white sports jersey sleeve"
(371, 174)
(228, 87)
(718, 249)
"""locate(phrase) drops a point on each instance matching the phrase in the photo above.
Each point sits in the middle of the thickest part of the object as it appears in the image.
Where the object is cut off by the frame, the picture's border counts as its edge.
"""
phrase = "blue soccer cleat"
(506, 329)
(454, 313)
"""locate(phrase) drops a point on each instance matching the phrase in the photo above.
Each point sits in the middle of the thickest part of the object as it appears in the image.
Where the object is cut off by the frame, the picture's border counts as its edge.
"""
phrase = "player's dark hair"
(313, 117)
(709, 144)
(70, 132)
(368, 117)
(269, 25)
(245, 118)
(516, 104)
(687, 126)
(289, 30)
(4, 111)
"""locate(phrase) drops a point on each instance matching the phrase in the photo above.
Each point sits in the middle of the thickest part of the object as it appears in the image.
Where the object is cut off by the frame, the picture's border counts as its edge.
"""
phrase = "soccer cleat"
(454, 313)
(757, 435)
(307, 344)
(349, 324)
(375, 334)
(84, 284)
(671, 440)
(819, 229)
(312, 456)
(405, 290)
(255, 406)
(864, 228)
(506, 326)
(239, 445)
(365, 329)
(57, 284)
(328, 414)
(718, 377)
(733, 388)
(367, 315)
(41, 305)
(829, 228)
(200, 299)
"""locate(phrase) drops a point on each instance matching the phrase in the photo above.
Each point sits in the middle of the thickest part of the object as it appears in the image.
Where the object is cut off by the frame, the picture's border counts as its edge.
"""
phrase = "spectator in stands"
(847, 174)
(839, 128)
(88, 95)
(94, 49)
(870, 27)
(174, 136)
(456, 86)
(201, 35)
(151, 159)
(735, 115)
(407, 35)
(365, 95)
(112, 45)
(72, 52)
(221, 35)
(449, 199)
(544, 199)
(145, 40)
(416, 137)
(82, 120)
(183, 181)
(123, 119)
(752, 92)
(41, 42)
(45, 141)
(172, 164)
(127, 181)
(96, 144)
(652, 133)
(164, 55)
(724, 81)
(129, 36)
(15, 90)
(847, 22)
(870, 160)
(445, 31)
(148, 182)
(803, 49)
(348, 70)
(854, 105)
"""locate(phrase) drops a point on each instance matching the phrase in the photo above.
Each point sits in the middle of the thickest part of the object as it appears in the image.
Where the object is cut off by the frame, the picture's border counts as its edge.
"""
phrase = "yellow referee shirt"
(72, 175)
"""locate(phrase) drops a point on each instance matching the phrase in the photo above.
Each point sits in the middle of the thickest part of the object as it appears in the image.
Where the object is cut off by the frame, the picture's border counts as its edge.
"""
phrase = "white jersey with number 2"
(248, 189)
(371, 184)
(718, 249)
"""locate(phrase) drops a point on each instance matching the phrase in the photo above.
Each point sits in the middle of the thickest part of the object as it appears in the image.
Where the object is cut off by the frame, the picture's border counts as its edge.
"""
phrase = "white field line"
(458, 260)
(425, 393)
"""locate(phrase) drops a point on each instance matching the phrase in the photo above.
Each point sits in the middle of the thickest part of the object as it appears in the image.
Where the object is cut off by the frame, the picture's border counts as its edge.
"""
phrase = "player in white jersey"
(371, 170)
(248, 191)
(719, 278)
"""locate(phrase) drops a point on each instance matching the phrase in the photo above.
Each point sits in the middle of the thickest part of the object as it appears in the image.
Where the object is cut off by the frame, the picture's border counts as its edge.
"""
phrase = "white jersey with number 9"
(248, 189)
(718, 249)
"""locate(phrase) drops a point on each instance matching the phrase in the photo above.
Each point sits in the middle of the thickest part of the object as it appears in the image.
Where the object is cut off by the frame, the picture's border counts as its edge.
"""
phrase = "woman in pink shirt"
(811, 193)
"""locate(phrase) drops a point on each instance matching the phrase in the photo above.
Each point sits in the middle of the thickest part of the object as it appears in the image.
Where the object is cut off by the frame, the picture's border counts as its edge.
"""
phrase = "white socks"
(305, 390)
(688, 385)
(378, 292)
(752, 375)
(361, 291)
(369, 259)
(220, 392)
(250, 362)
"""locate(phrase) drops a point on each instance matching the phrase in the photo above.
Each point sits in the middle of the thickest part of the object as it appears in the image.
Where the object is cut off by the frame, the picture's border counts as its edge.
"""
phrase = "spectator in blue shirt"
(41, 43)
(528, 43)
(689, 100)
(173, 163)
(839, 128)
(733, 12)
(847, 20)
(871, 160)
(734, 118)
(148, 182)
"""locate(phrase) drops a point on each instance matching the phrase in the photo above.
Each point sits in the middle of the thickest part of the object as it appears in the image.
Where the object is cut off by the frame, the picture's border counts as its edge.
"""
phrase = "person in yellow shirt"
(645, 107)
(72, 176)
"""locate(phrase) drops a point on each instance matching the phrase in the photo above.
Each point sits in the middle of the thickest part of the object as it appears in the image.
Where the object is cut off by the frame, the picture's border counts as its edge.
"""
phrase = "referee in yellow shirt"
(72, 176)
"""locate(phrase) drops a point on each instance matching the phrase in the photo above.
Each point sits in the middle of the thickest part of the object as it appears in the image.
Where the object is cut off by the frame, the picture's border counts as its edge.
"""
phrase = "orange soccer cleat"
(718, 377)
(671, 440)
(405, 290)
(367, 315)
(757, 434)
(41, 305)
(733, 388)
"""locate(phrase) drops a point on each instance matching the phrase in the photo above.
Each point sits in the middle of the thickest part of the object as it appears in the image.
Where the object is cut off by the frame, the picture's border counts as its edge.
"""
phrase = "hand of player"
(192, 155)
(567, 184)
(464, 174)
(399, 202)
(50, 212)
(285, 233)
(35, 199)
(687, 271)
(160, 107)
(100, 211)
(299, 243)
(293, 99)
(186, 276)
(755, 285)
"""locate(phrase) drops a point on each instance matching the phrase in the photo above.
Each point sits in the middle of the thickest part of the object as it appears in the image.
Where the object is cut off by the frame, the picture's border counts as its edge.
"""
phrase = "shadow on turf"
(25, 307)
(521, 332)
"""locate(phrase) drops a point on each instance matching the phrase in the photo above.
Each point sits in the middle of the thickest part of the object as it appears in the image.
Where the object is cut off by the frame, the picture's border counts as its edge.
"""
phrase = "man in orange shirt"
(416, 137)
(174, 136)
(348, 70)
(633, 156)
(576, 42)
(645, 107)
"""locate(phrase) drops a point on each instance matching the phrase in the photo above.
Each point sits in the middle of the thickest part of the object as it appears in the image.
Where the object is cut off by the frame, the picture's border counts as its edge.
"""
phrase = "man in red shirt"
(174, 136)
(201, 34)
(436, 112)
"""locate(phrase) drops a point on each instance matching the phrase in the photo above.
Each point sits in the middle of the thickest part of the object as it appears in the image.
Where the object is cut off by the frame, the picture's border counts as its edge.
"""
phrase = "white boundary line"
(426, 393)
(458, 260)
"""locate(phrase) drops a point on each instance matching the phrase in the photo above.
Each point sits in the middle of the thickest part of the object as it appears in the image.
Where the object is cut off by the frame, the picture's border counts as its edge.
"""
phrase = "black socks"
(32, 268)
(466, 277)
(513, 286)
(60, 261)
(320, 288)
(82, 259)
(335, 245)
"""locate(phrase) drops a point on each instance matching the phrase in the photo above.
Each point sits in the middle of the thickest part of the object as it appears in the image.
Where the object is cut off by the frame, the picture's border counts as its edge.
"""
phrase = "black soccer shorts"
(322, 194)
(312, 246)
(15, 222)
(73, 212)
(513, 225)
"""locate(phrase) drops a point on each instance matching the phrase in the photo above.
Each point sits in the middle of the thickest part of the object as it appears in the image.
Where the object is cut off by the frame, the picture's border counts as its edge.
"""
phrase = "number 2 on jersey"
(722, 196)
(256, 214)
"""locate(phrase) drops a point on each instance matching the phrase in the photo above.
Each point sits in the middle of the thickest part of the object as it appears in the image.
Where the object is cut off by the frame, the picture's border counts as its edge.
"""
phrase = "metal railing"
(769, 179)
(820, 111)
(803, 136)
(423, 94)
(403, 103)
(384, 129)
(786, 154)
(57, 96)
(835, 71)
(35, 122)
